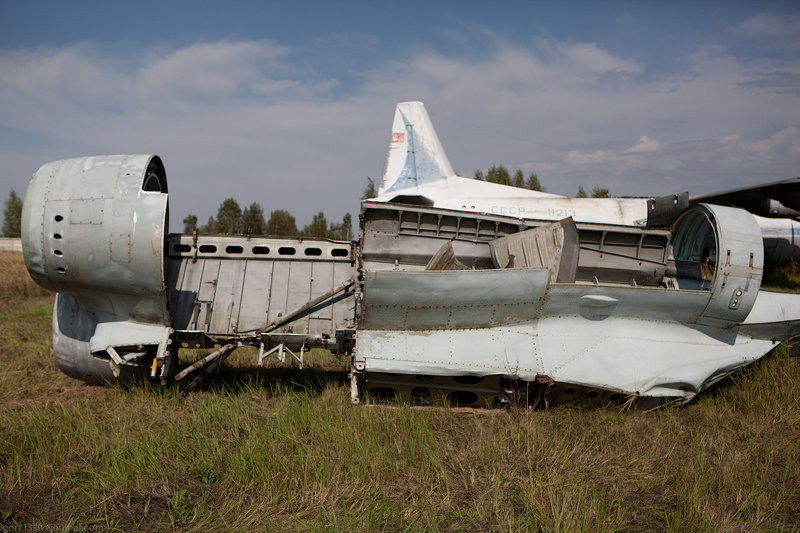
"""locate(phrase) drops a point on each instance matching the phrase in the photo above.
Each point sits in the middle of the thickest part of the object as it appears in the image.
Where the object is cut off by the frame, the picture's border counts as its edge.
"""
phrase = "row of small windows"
(260, 250)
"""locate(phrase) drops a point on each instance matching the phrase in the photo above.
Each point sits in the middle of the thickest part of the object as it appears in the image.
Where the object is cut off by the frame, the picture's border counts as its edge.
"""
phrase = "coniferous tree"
(209, 227)
(229, 217)
(318, 227)
(599, 192)
(281, 223)
(12, 215)
(369, 190)
(343, 231)
(253, 219)
(518, 180)
(534, 184)
(581, 192)
(189, 223)
(498, 174)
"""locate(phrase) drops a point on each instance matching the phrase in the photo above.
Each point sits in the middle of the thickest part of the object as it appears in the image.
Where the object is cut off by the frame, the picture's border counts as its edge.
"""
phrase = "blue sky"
(290, 103)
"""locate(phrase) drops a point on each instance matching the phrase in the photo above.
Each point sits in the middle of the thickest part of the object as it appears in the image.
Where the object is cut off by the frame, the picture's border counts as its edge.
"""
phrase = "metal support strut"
(281, 349)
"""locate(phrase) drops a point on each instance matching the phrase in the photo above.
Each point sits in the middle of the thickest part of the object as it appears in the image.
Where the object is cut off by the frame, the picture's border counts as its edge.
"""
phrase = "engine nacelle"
(93, 229)
(719, 249)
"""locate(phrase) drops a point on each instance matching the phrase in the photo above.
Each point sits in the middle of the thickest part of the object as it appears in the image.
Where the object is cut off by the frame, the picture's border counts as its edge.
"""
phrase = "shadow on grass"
(311, 381)
(239, 380)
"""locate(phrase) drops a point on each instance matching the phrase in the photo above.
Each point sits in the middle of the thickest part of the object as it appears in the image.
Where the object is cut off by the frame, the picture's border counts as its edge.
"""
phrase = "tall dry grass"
(278, 449)
(15, 283)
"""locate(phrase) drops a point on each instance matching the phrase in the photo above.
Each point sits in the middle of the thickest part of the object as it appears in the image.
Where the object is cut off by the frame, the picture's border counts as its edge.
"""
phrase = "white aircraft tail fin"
(415, 154)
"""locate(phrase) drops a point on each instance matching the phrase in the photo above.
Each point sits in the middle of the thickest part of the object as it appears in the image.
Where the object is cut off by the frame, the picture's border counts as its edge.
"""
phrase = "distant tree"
(253, 219)
(347, 227)
(533, 183)
(318, 227)
(189, 223)
(369, 190)
(518, 180)
(343, 231)
(498, 174)
(581, 192)
(229, 217)
(281, 223)
(210, 226)
(12, 215)
(599, 192)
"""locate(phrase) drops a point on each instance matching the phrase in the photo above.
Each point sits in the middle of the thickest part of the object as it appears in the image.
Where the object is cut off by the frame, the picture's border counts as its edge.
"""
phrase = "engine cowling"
(93, 230)
(719, 249)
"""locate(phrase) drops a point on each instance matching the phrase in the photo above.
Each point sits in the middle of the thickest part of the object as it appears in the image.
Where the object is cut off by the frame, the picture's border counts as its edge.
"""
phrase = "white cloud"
(243, 119)
(591, 158)
(644, 144)
(768, 24)
(786, 140)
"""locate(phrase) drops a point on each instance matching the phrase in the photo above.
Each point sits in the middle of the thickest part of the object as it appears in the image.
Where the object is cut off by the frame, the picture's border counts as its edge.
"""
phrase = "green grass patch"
(276, 448)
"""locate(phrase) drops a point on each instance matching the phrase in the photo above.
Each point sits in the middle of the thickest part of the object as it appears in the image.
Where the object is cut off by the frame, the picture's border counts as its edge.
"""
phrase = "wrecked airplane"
(442, 297)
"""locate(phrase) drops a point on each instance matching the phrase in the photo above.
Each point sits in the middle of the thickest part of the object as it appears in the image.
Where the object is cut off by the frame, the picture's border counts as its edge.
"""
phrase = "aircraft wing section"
(775, 199)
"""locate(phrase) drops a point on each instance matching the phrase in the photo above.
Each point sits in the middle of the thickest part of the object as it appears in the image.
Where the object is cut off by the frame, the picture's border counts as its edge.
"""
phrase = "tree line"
(500, 174)
(234, 220)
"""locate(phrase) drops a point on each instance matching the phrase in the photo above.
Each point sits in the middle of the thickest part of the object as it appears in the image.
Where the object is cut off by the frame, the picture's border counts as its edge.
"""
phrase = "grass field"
(284, 450)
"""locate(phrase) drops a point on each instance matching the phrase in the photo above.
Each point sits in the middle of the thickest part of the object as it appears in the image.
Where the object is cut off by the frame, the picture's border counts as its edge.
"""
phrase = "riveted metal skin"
(613, 314)
(93, 230)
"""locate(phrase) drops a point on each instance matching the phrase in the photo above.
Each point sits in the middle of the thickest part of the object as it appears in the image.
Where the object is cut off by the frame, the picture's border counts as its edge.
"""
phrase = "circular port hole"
(58, 253)
(460, 397)
(61, 270)
(56, 235)
(58, 218)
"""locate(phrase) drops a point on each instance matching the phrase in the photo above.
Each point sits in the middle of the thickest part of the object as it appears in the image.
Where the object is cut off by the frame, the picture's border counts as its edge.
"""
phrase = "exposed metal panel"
(508, 350)
(406, 237)
(553, 246)
(322, 279)
(598, 302)
(452, 299)
(775, 315)
(279, 291)
(298, 293)
(227, 296)
(256, 296)
(184, 289)
(645, 357)
(204, 303)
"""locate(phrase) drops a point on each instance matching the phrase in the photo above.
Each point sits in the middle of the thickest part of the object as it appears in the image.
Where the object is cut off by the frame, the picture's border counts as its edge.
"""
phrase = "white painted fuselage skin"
(417, 166)
(464, 194)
